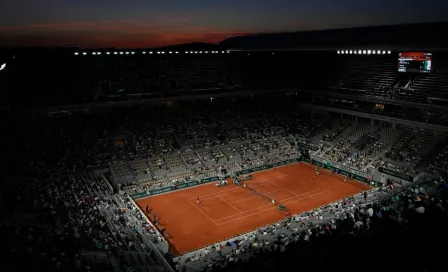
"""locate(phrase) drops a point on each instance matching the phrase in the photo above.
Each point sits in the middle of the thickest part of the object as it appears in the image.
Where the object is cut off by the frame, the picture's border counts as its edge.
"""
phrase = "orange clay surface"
(225, 212)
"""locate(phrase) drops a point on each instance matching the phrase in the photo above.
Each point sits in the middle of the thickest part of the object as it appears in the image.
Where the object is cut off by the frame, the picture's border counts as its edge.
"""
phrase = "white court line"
(283, 188)
(228, 191)
(263, 206)
(244, 199)
(306, 183)
(230, 204)
(271, 180)
(196, 206)
(236, 219)
(218, 193)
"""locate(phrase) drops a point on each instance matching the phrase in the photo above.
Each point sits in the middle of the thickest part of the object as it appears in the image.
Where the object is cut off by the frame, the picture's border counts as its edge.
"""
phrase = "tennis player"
(317, 172)
(198, 200)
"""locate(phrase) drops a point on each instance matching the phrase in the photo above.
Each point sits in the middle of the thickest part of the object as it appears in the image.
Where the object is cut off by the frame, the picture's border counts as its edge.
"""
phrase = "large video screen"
(415, 62)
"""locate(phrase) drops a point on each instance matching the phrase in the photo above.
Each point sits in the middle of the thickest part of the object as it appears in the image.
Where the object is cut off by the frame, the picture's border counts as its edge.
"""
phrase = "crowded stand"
(134, 240)
(362, 216)
(80, 171)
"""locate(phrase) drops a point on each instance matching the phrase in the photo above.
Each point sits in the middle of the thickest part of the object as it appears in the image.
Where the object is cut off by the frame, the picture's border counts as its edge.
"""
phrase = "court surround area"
(226, 212)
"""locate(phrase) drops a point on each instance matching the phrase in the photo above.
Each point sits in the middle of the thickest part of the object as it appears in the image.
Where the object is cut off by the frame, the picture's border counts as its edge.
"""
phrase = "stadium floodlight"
(351, 51)
(346, 51)
(373, 52)
(355, 52)
(121, 53)
(389, 52)
(107, 53)
(150, 53)
(93, 53)
(132, 53)
(76, 53)
(359, 52)
(127, 53)
(384, 52)
(186, 52)
(158, 52)
(170, 52)
(364, 52)
(228, 52)
(144, 53)
(200, 52)
(115, 53)
(195, 52)
(205, 52)
(339, 52)
(3, 66)
(99, 53)
(369, 52)
(223, 52)
(163, 52)
(177, 52)
(191, 52)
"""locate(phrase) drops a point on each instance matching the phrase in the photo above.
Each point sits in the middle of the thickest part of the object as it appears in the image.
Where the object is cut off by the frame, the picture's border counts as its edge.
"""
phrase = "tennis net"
(260, 194)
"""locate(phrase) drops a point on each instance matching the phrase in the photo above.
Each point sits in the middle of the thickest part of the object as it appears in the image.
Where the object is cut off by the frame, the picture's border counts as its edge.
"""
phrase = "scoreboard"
(414, 62)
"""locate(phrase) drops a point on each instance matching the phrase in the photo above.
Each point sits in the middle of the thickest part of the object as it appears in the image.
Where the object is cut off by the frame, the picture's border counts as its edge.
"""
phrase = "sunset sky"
(152, 23)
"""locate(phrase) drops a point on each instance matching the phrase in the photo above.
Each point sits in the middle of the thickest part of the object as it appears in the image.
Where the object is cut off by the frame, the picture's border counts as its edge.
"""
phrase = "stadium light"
(359, 52)
(121, 53)
(93, 53)
(195, 52)
(99, 53)
(388, 52)
(228, 52)
(132, 53)
(76, 53)
(177, 52)
(107, 53)
(351, 51)
(144, 53)
(3, 66)
(206, 52)
(346, 51)
(186, 52)
(355, 52)
(170, 52)
(200, 52)
(369, 52)
(373, 52)
(384, 52)
(150, 53)
(222, 52)
(339, 52)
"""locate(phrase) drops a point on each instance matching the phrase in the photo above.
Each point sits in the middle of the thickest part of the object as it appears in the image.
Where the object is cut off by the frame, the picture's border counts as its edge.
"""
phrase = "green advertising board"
(342, 170)
(211, 179)
(267, 166)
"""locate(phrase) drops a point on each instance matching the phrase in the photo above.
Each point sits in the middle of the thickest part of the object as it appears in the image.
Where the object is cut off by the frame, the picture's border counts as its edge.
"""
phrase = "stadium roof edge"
(308, 49)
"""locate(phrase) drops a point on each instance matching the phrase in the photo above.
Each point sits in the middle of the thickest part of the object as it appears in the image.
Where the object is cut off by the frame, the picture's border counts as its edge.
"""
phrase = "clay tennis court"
(228, 211)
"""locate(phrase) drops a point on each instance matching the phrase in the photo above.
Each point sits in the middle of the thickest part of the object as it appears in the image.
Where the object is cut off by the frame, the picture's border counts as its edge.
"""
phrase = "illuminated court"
(225, 212)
